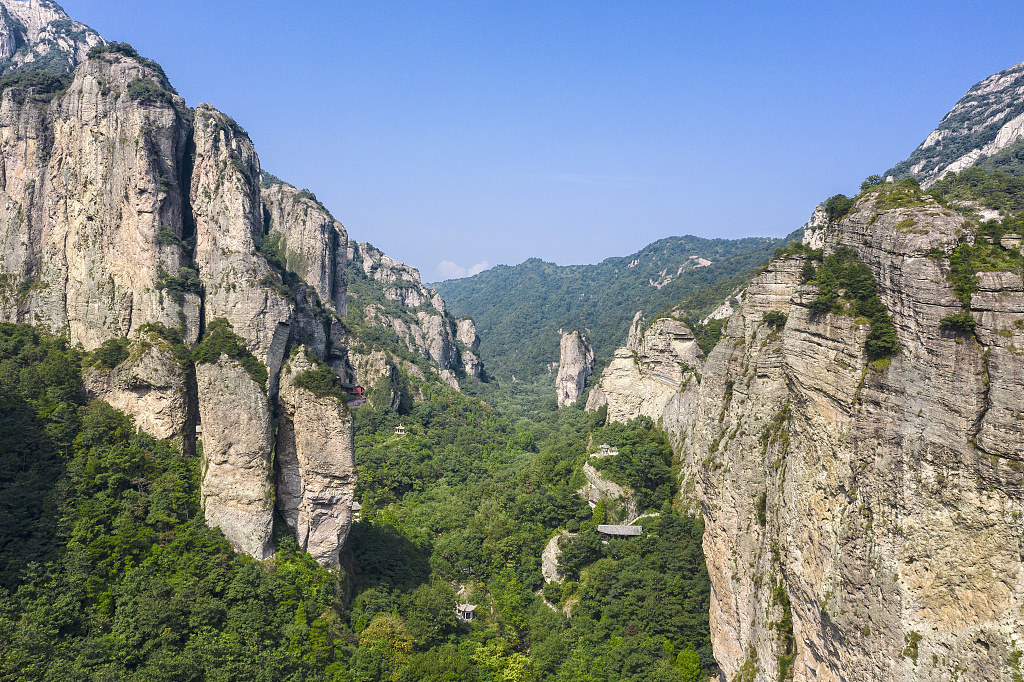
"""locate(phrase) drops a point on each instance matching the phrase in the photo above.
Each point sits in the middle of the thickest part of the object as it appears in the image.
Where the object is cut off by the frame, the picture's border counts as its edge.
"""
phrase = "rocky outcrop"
(646, 375)
(238, 285)
(38, 35)
(152, 386)
(416, 314)
(88, 186)
(875, 504)
(237, 490)
(622, 507)
(986, 121)
(312, 243)
(574, 368)
(316, 477)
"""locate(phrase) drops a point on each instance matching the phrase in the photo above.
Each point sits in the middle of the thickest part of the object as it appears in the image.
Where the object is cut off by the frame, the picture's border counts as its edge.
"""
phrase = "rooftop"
(620, 530)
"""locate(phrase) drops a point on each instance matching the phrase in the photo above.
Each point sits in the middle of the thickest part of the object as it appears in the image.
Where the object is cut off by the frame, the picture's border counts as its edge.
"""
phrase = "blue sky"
(463, 134)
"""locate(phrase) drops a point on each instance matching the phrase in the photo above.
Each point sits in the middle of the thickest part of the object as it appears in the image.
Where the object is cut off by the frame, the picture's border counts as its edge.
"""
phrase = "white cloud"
(449, 270)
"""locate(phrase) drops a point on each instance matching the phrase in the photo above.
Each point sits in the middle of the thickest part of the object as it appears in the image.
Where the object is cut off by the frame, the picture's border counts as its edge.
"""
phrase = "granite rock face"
(574, 368)
(88, 185)
(313, 243)
(228, 215)
(151, 386)
(238, 443)
(316, 477)
(878, 504)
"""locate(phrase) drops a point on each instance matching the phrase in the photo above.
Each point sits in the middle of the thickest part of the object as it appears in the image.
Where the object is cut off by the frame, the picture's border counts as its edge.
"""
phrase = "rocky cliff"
(127, 217)
(37, 35)
(863, 516)
(574, 368)
(238, 493)
(316, 477)
(987, 121)
(656, 364)
(416, 314)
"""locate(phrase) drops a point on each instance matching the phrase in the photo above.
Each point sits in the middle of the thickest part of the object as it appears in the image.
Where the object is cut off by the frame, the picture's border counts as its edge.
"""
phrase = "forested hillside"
(519, 309)
(108, 570)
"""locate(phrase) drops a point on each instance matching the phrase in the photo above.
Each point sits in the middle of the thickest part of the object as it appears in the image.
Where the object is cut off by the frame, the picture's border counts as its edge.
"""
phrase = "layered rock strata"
(38, 35)
(876, 505)
(316, 476)
(645, 376)
(574, 368)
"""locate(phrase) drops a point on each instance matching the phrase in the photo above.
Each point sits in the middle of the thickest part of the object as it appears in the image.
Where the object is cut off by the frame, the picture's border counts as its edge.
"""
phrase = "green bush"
(110, 354)
(145, 90)
(838, 207)
(842, 277)
(186, 281)
(221, 340)
(322, 382)
(962, 321)
(44, 85)
(775, 318)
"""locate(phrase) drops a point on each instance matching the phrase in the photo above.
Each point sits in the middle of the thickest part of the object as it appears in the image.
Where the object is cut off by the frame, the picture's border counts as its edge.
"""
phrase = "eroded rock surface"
(238, 441)
(574, 368)
(882, 499)
(153, 387)
(316, 477)
(649, 372)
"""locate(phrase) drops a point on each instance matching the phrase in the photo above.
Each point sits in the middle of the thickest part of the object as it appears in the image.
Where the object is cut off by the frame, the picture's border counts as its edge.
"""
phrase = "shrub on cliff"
(221, 340)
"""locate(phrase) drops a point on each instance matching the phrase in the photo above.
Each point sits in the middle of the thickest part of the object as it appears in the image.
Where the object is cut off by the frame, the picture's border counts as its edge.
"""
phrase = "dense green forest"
(108, 571)
(519, 310)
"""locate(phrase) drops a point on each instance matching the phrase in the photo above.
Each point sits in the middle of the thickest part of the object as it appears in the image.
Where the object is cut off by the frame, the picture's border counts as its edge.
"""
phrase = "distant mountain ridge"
(520, 309)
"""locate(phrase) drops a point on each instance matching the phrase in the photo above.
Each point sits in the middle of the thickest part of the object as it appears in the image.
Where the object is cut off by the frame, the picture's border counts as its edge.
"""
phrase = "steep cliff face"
(418, 315)
(38, 35)
(874, 506)
(237, 433)
(574, 368)
(314, 245)
(986, 121)
(89, 182)
(316, 477)
(238, 285)
(656, 364)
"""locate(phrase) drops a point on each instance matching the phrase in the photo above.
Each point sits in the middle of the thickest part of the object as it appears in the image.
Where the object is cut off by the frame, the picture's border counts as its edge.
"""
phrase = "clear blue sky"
(491, 132)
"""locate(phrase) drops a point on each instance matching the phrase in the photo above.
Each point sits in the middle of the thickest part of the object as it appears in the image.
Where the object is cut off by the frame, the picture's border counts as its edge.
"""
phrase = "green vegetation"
(962, 321)
(44, 85)
(775, 318)
(644, 462)
(784, 632)
(519, 310)
(145, 90)
(110, 354)
(221, 340)
(996, 190)
(186, 281)
(321, 381)
(838, 207)
(847, 287)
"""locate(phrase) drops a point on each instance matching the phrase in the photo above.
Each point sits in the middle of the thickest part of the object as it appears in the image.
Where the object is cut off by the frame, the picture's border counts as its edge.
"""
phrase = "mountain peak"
(38, 35)
(987, 121)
